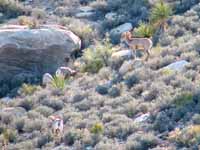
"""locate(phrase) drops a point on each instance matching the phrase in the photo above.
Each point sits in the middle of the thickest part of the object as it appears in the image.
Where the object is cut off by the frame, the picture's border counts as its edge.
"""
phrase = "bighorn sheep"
(57, 125)
(65, 71)
(144, 44)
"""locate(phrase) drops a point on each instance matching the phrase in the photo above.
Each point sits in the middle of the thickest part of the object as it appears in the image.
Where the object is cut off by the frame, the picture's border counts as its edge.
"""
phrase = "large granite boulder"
(34, 51)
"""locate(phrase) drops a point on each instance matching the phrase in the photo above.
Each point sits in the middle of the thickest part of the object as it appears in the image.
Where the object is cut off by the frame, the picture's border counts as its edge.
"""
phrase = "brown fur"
(144, 44)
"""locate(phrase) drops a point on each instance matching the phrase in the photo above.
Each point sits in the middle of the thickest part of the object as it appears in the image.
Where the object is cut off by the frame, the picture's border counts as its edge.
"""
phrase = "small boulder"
(129, 65)
(122, 54)
(126, 66)
(177, 66)
(85, 12)
(111, 16)
(47, 79)
(142, 118)
(103, 90)
(115, 34)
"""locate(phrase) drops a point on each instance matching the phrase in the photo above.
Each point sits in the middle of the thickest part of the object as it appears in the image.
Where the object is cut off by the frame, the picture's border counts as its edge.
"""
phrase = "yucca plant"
(59, 82)
(160, 13)
(144, 30)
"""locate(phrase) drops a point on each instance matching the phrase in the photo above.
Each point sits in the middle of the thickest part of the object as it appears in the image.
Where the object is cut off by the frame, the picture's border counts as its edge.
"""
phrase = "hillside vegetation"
(111, 103)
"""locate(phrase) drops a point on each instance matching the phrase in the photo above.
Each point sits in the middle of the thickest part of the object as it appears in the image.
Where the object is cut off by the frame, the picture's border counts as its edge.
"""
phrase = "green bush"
(27, 89)
(10, 135)
(96, 58)
(10, 8)
(26, 104)
(97, 128)
(144, 30)
(183, 99)
(70, 138)
(38, 13)
(19, 124)
(84, 31)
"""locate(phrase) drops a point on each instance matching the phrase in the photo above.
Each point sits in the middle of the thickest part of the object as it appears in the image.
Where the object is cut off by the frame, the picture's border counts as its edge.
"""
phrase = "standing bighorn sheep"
(57, 125)
(144, 44)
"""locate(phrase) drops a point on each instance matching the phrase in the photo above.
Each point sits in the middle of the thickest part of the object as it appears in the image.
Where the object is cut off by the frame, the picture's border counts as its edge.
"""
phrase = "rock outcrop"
(34, 52)
(115, 34)
(177, 66)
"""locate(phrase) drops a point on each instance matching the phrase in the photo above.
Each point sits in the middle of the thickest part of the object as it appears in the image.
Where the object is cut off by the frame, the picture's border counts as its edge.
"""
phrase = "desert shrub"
(34, 23)
(120, 127)
(64, 21)
(107, 144)
(10, 135)
(179, 113)
(144, 30)
(24, 20)
(151, 94)
(141, 141)
(166, 61)
(28, 144)
(11, 8)
(44, 139)
(131, 81)
(130, 109)
(196, 119)
(26, 104)
(28, 21)
(166, 40)
(163, 123)
(97, 57)
(97, 128)
(183, 99)
(55, 104)
(114, 92)
(6, 118)
(70, 137)
(44, 110)
(82, 30)
(38, 13)
(167, 72)
(61, 11)
(188, 136)
(27, 89)
(19, 124)
(32, 125)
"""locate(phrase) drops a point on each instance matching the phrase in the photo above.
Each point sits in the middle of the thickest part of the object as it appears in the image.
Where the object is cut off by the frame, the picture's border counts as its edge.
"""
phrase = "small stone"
(103, 90)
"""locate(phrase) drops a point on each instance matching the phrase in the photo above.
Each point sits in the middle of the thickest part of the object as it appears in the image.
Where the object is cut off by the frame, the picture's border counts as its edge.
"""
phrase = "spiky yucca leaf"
(59, 82)
(160, 13)
(144, 30)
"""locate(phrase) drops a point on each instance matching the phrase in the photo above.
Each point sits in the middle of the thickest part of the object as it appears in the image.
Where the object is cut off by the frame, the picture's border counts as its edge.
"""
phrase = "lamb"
(144, 44)
(57, 125)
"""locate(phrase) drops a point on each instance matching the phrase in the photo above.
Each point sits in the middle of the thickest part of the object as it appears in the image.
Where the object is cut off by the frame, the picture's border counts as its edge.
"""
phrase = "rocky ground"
(128, 104)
